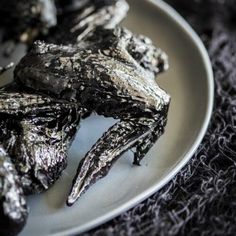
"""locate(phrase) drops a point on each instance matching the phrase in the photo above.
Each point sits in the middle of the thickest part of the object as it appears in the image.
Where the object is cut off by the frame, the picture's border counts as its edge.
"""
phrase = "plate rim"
(172, 13)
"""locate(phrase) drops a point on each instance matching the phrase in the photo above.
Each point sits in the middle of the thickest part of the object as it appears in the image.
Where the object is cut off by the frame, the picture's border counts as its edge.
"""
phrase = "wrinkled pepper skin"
(37, 134)
(114, 78)
(13, 209)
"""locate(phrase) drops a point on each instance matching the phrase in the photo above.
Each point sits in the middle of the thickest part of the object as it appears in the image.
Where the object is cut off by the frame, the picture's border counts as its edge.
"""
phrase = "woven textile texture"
(201, 199)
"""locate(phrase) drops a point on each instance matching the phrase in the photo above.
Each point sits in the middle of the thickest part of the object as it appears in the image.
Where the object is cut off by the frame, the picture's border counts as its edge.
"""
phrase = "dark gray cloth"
(201, 199)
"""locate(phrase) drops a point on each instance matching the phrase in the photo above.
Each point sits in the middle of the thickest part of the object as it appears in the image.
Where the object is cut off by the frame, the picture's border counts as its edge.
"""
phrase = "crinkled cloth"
(201, 199)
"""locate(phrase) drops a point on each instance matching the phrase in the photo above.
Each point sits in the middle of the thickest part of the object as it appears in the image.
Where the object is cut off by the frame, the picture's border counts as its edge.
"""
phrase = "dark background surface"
(201, 199)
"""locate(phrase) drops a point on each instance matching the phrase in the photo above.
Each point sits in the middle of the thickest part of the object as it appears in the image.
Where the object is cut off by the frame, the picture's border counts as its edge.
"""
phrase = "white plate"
(190, 84)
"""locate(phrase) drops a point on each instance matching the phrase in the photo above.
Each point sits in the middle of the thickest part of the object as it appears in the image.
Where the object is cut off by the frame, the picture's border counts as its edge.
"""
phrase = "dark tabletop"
(201, 199)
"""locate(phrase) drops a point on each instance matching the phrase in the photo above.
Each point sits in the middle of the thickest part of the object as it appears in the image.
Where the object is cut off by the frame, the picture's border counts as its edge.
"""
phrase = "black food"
(13, 209)
(140, 47)
(114, 78)
(37, 132)
(78, 18)
(24, 20)
(101, 68)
